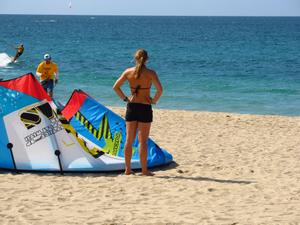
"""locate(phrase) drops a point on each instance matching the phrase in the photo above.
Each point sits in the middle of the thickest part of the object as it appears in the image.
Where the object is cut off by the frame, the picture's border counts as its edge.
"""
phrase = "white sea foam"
(4, 59)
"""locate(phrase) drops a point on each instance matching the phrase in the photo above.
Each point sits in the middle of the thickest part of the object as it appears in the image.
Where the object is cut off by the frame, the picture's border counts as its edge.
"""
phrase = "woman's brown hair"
(141, 57)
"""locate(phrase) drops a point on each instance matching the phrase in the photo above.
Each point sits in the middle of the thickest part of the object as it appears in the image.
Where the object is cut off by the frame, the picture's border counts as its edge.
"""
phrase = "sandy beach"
(228, 169)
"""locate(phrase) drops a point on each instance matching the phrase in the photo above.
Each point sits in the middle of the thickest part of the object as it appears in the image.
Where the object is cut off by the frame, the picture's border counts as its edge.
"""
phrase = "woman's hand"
(150, 101)
(131, 98)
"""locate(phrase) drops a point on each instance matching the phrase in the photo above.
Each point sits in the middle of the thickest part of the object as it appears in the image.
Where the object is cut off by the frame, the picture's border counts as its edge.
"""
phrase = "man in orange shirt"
(48, 73)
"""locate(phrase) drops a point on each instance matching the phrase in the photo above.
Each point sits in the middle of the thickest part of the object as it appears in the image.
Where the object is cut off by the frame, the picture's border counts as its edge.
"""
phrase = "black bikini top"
(137, 88)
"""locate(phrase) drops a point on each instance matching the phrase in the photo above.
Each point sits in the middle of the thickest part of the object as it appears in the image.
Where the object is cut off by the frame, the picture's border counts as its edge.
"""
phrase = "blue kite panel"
(100, 126)
(10, 101)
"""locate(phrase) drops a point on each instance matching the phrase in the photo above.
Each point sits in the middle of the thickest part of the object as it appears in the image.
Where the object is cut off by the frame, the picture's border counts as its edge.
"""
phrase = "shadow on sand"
(198, 178)
(206, 179)
(170, 166)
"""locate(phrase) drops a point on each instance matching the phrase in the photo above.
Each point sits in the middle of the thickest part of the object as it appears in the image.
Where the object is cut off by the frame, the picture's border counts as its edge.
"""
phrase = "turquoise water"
(230, 64)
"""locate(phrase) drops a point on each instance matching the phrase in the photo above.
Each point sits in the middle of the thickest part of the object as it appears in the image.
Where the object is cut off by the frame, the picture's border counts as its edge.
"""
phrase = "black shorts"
(139, 112)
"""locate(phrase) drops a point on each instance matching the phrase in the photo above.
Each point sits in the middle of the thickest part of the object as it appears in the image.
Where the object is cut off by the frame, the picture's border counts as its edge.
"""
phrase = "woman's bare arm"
(118, 84)
(158, 86)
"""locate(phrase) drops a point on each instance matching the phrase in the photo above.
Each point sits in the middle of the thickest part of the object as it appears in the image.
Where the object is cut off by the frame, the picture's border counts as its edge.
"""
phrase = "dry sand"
(228, 169)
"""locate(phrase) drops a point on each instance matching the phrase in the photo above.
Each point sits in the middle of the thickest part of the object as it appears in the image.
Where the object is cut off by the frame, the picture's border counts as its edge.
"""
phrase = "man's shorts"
(139, 112)
(48, 85)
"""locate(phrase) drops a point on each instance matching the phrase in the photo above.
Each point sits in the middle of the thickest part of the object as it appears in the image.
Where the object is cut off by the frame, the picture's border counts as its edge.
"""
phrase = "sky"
(153, 7)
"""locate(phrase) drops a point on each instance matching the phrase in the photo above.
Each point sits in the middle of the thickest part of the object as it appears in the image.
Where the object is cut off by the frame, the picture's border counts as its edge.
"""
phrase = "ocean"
(223, 64)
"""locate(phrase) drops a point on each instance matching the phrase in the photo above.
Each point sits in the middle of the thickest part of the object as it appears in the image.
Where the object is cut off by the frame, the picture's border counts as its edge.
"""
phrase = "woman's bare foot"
(148, 173)
(130, 172)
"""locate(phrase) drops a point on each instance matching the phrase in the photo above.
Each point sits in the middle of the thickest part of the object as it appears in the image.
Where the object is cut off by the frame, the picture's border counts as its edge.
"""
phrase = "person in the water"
(20, 50)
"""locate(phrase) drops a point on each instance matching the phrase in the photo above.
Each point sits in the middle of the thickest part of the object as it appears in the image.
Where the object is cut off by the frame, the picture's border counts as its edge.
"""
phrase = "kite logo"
(116, 144)
(31, 118)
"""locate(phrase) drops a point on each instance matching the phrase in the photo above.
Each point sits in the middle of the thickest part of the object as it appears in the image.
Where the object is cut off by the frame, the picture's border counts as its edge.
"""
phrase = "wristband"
(125, 99)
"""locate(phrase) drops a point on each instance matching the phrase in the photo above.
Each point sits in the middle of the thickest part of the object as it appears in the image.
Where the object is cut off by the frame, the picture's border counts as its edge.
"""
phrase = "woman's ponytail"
(141, 57)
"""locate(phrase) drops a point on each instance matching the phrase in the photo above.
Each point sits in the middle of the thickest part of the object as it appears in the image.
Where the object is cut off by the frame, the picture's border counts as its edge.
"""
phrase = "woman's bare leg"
(143, 135)
(130, 136)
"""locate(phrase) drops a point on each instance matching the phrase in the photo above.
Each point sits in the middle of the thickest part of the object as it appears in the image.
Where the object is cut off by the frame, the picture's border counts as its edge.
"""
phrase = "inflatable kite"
(84, 136)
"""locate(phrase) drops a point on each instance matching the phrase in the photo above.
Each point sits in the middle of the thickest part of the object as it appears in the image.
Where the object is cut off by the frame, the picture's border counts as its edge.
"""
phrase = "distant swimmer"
(20, 50)
(48, 73)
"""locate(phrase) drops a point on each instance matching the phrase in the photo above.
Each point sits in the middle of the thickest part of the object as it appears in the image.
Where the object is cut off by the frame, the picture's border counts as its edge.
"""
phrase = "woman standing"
(139, 110)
